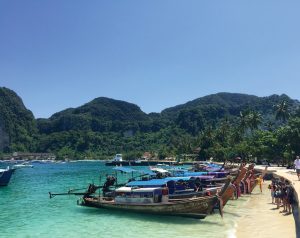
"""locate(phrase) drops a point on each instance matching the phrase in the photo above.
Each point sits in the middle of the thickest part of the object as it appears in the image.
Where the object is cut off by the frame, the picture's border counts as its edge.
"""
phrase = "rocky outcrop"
(17, 123)
(4, 138)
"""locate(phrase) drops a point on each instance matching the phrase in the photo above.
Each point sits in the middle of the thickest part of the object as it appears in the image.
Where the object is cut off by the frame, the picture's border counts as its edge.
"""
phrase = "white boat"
(118, 158)
(23, 165)
(159, 170)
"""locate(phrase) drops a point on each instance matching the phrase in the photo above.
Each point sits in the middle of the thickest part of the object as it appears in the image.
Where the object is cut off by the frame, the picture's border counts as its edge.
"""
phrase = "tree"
(254, 120)
(266, 145)
(222, 131)
(191, 121)
(282, 111)
(243, 121)
(290, 135)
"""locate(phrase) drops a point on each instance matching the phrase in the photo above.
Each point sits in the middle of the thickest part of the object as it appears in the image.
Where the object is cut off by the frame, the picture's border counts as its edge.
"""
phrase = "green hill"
(211, 109)
(219, 105)
(99, 115)
(107, 126)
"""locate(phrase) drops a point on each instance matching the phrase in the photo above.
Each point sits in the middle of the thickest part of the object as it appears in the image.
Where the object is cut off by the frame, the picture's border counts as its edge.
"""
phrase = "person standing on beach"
(272, 188)
(297, 166)
(289, 197)
(277, 195)
(284, 197)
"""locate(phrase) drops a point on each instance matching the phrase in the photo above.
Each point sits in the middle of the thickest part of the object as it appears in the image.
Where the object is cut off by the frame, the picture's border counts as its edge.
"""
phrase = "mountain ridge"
(107, 125)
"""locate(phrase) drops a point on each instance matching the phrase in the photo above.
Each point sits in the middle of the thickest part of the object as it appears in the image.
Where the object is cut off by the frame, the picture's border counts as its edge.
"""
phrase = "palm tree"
(282, 112)
(236, 136)
(249, 120)
(254, 120)
(269, 125)
(223, 130)
(243, 123)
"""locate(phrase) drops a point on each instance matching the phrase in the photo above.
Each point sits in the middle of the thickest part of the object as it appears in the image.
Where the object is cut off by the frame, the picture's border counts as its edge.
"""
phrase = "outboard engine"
(92, 188)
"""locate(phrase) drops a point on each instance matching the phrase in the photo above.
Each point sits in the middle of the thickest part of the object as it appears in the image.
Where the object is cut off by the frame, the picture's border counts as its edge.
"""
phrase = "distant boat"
(23, 165)
(5, 175)
(118, 158)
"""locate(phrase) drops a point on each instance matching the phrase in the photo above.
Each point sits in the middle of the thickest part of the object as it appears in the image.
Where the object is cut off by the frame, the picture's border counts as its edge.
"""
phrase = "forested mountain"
(109, 115)
(101, 115)
(17, 124)
(216, 106)
(107, 126)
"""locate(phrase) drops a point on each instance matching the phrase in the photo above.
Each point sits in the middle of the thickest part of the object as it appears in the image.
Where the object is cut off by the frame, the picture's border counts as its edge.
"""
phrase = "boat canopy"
(156, 182)
(130, 170)
(124, 169)
(130, 189)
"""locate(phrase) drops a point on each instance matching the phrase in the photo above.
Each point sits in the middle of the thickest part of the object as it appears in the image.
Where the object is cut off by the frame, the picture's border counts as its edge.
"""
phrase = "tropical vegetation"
(222, 126)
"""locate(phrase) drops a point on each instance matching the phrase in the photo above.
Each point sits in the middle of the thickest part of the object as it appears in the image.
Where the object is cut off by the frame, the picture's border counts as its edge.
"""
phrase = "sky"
(157, 54)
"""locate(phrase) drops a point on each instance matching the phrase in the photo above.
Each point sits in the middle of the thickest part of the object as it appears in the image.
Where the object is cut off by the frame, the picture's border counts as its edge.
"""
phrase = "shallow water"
(27, 211)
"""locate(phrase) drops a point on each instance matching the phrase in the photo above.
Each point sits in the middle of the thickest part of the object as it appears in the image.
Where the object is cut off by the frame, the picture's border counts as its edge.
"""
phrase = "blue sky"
(157, 54)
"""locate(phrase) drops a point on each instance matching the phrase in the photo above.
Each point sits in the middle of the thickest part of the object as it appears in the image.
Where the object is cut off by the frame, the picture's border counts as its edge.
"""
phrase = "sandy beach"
(262, 220)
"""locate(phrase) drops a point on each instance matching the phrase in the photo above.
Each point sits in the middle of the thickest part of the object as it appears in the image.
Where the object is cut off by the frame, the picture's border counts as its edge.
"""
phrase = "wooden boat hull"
(193, 207)
(253, 184)
(228, 194)
(231, 189)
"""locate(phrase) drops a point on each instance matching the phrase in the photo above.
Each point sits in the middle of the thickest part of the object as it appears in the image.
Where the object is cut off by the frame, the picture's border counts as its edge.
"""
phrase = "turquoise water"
(27, 211)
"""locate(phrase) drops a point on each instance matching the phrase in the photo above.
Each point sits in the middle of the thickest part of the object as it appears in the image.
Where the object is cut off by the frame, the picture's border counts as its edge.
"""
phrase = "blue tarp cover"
(124, 169)
(156, 182)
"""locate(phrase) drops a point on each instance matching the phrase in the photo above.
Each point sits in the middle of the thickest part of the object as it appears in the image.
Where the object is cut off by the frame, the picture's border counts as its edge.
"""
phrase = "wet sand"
(262, 220)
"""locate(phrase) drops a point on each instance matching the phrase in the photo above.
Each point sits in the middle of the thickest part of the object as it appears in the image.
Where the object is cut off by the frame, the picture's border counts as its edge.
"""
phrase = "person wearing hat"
(297, 166)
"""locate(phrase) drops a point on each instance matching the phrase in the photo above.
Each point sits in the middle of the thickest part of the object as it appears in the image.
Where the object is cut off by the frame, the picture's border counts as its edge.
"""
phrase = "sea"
(26, 209)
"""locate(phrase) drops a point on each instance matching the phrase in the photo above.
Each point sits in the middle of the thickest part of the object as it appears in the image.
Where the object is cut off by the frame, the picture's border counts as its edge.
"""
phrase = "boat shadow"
(146, 217)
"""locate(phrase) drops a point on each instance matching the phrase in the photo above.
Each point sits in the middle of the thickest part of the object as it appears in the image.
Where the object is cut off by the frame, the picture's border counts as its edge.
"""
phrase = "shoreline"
(263, 220)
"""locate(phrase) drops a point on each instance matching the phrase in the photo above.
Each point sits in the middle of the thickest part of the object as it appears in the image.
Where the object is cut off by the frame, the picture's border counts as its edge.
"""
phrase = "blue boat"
(5, 175)
(185, 173)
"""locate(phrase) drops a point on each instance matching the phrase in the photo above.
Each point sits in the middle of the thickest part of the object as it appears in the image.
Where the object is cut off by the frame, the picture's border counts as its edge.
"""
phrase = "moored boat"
(5, 175)
(156, 201)
(153, 201)
(246, 181)
(181, 187)
(23, 165)
(228, 194)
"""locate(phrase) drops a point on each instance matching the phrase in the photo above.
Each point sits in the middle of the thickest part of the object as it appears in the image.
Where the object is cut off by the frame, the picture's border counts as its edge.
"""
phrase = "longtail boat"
(154, 201)
(232, 188)
(246, 181)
